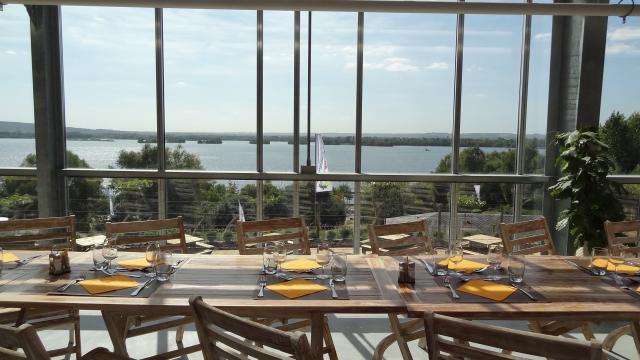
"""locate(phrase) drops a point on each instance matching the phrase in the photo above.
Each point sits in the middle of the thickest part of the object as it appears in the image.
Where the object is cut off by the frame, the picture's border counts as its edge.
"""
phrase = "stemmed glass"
(494, 258)
(99, 261)
(151, 255)
(323, 257)
(110, 252)
(281, 256)
(456, 255)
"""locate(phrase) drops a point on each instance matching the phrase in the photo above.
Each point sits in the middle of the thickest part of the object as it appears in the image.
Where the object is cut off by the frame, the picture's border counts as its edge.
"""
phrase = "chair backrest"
(39, 233)
(238, 335)
(527, 237)
(292, 231)
(623, 234)
(410, 238)
(462, 335)
(136, 235)
(23, 337)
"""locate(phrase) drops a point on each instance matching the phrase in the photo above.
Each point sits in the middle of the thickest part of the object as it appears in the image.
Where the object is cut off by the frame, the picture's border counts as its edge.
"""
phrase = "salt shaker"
(55, 263)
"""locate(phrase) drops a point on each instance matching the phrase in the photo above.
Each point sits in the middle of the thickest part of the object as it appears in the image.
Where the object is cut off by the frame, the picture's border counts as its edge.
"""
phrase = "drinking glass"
(99, 262)
(516, 268)
(164, 265)
(494, 258)
(281, 256)
(323, 256)
(109, 251)
(440, 261)
(599, 260)
(269, 263)
(339, 267)
(456, 255)
(151, 255)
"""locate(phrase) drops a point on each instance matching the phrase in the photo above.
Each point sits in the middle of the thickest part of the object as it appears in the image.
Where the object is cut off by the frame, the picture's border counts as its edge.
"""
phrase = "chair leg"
(76, 331)
(328, 340)
(179, 334)
(587, 332)
(396, 328)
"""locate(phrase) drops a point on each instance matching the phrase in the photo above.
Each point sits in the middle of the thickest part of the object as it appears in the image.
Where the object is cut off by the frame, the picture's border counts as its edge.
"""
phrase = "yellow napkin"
(622, 268)
(296, 288)
(300, 265)
(135, 264)
(108, 283)
(487, 289)
(466, 266)
(9, 257)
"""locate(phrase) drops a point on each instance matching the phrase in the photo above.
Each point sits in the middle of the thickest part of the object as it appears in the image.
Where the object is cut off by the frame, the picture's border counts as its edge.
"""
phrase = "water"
(241, 156)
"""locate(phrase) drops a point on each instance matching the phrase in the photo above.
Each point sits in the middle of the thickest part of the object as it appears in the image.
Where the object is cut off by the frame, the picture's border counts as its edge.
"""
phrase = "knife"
(427, 266)
(334, 294)
(525, 292)
(142, 286)
(579, 267)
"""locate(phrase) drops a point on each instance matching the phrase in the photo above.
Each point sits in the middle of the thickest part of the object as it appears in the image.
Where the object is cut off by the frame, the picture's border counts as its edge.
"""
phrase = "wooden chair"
(135, 236)
(463, 334)
(226, 336)
(410, 238)
(42, 234)
(533, 237)
(253, 235)
(24, 337)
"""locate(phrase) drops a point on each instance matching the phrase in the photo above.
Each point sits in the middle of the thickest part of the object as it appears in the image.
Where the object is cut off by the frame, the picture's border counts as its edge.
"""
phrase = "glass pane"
(211, 208)
(490, 87)
(278, 91)
(18, 197)
(210, 86)
(408, 91)
(631, 201)
(538, 91)
(95, 201)
(16, 92)
(333, 87)
(532, 196)
(109, 78)
(396, 202)
(620, 110)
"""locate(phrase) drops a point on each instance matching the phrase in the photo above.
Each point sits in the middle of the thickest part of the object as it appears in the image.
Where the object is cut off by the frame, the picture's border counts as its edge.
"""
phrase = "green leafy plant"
(585, 161)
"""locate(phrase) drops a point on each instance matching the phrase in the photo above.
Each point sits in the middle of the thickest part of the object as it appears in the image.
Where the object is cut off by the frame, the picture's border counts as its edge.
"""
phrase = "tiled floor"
(355, 337)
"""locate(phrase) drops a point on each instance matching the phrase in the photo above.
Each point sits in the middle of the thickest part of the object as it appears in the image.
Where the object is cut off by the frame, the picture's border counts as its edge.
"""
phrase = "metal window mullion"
(455, 143)
(358, 161)
(160, 114)
(296, 110)
(259, 112)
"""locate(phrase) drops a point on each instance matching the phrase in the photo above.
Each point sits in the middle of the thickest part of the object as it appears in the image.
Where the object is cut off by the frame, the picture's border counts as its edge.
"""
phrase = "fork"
(72, 282)
(447, 283)
(262, 283)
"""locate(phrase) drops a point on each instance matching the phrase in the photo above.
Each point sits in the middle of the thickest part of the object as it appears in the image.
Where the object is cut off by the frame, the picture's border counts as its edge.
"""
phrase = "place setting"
(470, 281)
(134, 276)
(302, 278)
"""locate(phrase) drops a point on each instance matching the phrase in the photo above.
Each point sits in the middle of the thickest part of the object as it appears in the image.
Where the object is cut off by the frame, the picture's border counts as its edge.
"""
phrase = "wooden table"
(228, 282)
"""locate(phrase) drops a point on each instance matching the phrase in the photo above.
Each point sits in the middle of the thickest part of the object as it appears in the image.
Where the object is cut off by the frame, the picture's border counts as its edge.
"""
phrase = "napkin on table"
(466, 266)
(135, 264)
(108, 283)
(300, 265)
(296, 288)
(487, 289)
(9, 257)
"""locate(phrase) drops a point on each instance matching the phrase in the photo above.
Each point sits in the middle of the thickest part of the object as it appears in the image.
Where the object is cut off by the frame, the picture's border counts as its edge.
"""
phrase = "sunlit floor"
(355, 337)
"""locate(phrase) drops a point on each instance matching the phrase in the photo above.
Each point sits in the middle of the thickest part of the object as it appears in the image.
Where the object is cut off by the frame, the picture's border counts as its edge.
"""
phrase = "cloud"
(543, 36)
(439, 65)
(622, 49)
(629, 33)
(474, 68)
(624, 41)
(392, 64)
(10, 52)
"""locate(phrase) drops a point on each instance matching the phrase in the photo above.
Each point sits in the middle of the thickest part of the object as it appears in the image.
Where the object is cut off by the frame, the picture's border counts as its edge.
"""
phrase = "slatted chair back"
(252, 235)
(25, 339)
(226, 336)
(623, 235)
(452, 338)
(409, 238)
(39, 233)
(527, 237)
(136, 235)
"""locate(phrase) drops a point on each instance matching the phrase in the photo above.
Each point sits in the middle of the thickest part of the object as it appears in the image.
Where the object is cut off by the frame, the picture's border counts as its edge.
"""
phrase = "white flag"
(240, 212)
(322, 167)
(477, 189)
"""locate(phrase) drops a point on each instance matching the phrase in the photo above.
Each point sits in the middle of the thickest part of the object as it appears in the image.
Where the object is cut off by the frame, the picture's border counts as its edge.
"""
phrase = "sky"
(210, 70)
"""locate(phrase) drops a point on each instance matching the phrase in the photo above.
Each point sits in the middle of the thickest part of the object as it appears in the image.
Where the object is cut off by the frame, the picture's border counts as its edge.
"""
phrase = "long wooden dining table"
(230, 282)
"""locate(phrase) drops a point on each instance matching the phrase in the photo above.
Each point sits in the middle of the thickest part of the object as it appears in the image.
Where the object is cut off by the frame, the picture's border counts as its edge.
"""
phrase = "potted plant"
(585, 161)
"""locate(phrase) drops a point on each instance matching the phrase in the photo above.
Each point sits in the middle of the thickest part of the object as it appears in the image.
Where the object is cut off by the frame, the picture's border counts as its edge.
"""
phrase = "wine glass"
(456, 255)
(494, 258)
(151, 255)
(323, 256)
(110, 252)
(164, 265)
(281, 256)
(99, 261)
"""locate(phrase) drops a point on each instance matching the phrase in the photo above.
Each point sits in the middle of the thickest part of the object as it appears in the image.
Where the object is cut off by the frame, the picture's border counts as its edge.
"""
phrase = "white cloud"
(624, 41)
(10, 52)
(439, 65)
(474, 68)
(392, 64)
(543, 36)
(621, 48)
(625, 34)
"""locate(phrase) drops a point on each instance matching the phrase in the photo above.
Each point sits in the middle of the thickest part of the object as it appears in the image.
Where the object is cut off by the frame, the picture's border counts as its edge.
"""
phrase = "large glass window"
(16, 93)
(110, 92)
(18, 197)
(210, 86)
(407, 92)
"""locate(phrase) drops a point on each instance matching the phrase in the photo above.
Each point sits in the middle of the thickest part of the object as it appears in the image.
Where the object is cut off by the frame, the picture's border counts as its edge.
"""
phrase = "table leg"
(117, 327)
(635, 332)
(317, 326)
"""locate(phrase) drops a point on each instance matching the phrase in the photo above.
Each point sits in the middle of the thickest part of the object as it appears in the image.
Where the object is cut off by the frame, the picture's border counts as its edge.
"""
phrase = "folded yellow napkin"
(600, 263)
(466, 266)
(300, 265)
(9, 257)
(622, 268)
(108, 283)
(135, 264)
(487, 289)
(296, 288)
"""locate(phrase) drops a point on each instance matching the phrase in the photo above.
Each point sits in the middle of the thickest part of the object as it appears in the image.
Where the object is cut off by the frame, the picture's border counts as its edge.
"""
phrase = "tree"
(623, 137)
(386, 199)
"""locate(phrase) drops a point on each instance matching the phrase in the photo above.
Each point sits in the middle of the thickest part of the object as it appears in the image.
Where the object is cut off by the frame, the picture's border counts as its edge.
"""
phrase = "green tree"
(386, 199)
(623, 137)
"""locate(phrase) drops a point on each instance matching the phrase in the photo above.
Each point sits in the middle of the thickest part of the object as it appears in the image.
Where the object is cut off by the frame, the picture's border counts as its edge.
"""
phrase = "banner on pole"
(322, 167)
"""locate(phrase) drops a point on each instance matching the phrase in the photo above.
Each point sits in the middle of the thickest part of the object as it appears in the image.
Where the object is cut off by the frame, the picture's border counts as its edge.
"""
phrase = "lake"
(241, 156)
